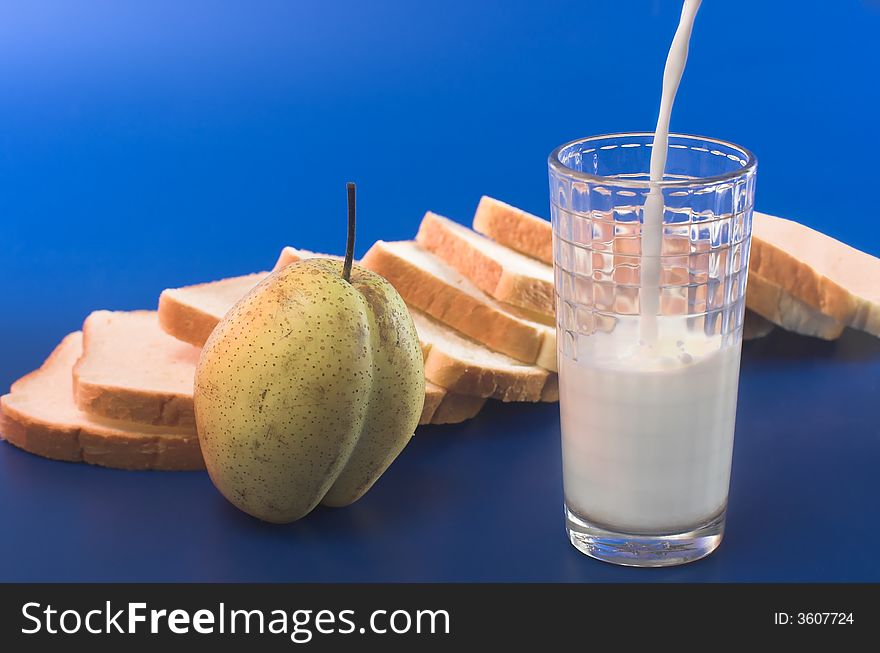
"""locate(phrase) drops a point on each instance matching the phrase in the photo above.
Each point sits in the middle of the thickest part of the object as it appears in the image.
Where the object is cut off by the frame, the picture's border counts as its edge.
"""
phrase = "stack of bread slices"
(119, 393)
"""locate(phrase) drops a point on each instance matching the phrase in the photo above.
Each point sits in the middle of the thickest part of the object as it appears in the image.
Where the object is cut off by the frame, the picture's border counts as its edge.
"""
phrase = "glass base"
(632, 550)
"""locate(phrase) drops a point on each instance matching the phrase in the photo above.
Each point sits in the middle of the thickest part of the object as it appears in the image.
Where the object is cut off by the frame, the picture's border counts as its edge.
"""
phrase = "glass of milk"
(649, 346)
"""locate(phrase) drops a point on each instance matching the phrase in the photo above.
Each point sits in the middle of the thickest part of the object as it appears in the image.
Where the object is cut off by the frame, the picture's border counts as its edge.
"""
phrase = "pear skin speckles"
(307, 390)
(398, 391)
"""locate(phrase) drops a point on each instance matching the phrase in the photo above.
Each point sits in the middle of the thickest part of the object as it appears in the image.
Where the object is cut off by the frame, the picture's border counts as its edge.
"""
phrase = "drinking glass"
(649, 373)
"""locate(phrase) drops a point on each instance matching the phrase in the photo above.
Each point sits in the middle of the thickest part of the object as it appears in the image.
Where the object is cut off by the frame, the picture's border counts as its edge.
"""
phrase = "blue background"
(145, 145)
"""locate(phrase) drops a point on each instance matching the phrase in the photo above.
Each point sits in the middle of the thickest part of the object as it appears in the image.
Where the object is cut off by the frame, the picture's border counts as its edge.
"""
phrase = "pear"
(309, 388)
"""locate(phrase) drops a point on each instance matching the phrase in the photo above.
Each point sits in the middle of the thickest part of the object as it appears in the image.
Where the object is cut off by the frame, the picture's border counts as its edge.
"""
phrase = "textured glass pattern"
(597, 199)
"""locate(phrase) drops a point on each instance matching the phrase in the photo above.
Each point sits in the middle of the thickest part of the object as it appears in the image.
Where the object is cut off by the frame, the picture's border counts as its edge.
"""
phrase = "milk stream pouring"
(652, 231)
(648, 414)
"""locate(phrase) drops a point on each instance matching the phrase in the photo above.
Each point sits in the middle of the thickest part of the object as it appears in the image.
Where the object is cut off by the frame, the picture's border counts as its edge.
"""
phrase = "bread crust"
(498, 330)
(550, 392)
(103, 448)
(781, 270)
(434, 396)
(775, 304)
(132, 405)
(110, 446)
(140, 406)
(513, 227)
(95, 443)
(184, 321)
(456, 408)
(490, 276)
(783, 289)
(458, 377)
(56, 442)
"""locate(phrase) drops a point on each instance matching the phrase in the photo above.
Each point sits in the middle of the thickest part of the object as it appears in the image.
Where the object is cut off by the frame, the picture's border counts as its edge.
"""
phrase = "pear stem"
(349, 246)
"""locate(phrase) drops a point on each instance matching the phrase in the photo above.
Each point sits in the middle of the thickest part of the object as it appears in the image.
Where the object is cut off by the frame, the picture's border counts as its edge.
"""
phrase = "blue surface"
(145, 145)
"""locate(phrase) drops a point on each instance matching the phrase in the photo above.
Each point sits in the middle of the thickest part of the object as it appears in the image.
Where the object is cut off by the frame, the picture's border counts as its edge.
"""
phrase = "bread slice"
(799, 279)
(292, 255)
(40, 416)
(433, 287)
(469, 372)
(774, 304)
(455, 409)
(514, 228)
(464, 366)
(501, 272)
(824, 274)
(444, 407)
(131, 370)
(189, 313)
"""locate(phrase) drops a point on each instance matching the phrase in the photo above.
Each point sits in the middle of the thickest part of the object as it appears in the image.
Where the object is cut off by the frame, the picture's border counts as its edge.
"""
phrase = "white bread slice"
(131, 370)
(444, 407)
(433, 398)
(838, 281)
(189, 313)
(441, 407)
(40, 416)
(501, 272)
(463, 366)
(433, 287)
(514, 228)
(772, 303)
(799, 279)
(292, 255)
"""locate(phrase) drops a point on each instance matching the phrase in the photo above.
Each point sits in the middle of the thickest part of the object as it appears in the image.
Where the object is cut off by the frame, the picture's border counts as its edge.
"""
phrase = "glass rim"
(560, 168)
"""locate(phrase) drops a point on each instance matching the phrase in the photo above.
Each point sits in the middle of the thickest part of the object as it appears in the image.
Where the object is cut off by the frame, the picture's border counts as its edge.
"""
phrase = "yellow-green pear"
(309, 388)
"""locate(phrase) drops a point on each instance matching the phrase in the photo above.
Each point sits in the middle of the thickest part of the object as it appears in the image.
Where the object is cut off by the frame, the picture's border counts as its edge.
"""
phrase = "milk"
(652, 230)
(648, 407)
(647, 433)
